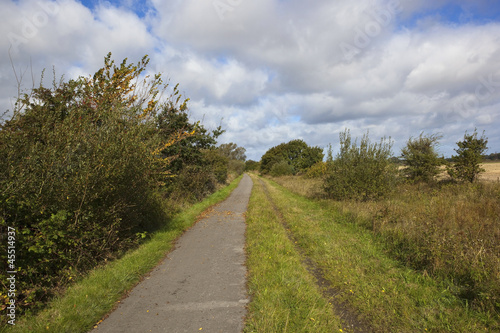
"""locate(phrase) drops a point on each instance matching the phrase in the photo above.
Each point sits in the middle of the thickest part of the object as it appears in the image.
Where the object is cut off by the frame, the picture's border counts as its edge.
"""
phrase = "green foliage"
(232, 151)
(296, 153)
(217, 163)
(174, 121)
(196, 166)
(251, 165)
(318, 170)
(421, 159)
(281, 168)
(81, 165)
(470, 152)
(360, 173)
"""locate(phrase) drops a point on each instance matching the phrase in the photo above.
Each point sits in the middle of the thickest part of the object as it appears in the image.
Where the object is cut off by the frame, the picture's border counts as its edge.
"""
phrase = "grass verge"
(389, 296)
(91, 298)
(284, 297)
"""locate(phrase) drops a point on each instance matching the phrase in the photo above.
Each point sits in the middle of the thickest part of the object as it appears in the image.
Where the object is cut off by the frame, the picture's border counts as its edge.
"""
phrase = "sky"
(278, 70)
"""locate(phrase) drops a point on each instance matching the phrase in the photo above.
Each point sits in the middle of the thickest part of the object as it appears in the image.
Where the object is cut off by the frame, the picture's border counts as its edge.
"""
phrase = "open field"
(492, 172)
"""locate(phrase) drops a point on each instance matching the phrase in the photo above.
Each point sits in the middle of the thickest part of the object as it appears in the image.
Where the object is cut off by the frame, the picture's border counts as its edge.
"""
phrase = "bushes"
(281, 168)
(295, 153)
(421, 158)
(470, 154)
(81, 168)
(360, 173)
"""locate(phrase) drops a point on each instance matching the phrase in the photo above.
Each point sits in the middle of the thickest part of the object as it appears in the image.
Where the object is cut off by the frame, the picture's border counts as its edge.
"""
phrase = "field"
(448, 232)
(492, 172)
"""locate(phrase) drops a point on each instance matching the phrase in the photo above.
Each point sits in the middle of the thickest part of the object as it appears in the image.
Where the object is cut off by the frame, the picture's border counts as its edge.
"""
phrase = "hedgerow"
(84, 167)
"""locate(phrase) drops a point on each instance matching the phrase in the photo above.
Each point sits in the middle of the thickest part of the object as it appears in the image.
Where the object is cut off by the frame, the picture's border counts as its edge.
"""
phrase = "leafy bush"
(281, 168)
(360, 173)
(296, 153)
(470, 152)
(217, 163)
(251, 165)
(421, 159)
(317, 170)
(80, 168)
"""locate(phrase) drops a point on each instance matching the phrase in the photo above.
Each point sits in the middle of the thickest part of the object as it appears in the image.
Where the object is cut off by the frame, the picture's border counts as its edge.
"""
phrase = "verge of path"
(346, 313)
(201, 285)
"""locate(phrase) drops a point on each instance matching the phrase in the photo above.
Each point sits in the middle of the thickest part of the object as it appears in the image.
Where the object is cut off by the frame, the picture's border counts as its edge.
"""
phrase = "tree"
(361, 172)
(421, 159)
(232, 151)
(173, 121)
(466, 166)
(296, 153)
(251, 165)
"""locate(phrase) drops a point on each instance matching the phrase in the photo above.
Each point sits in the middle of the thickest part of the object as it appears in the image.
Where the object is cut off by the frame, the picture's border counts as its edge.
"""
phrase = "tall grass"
(385, 294)
(448, 231)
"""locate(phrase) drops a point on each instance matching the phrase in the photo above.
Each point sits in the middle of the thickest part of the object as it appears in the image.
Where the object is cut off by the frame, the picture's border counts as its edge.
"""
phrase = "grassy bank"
(448, 231)
(389, 296)
(284, 295)
(88, 300)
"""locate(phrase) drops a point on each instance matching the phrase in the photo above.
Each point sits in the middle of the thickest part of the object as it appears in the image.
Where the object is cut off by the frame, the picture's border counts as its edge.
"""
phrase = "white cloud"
(274, 71)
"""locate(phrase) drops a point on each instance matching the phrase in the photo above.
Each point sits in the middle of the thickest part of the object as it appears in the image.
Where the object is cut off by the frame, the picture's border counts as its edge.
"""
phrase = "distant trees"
(361, 172)
(420, 158)
(492, 157)
(296, 154)
(466, 165)
(252, 165)
(232, 151)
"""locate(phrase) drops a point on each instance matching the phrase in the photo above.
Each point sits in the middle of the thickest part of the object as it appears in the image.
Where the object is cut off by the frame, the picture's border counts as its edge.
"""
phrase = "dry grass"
(492, 172)
(450, 231)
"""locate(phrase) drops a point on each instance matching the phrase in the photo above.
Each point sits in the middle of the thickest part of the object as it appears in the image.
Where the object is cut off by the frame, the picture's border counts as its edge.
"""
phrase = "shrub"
(421, 159)
(217, 164)
(79, 172)
(470, 152)
(318, 170)
(295, 153)
(281, 169)
(193, 184)
(360, 173)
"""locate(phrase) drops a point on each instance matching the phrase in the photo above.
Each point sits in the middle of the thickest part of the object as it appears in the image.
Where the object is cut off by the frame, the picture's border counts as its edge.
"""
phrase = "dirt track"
(200, 286)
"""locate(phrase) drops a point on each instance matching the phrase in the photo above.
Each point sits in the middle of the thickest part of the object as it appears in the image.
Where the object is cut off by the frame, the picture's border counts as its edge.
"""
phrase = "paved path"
(201, 285)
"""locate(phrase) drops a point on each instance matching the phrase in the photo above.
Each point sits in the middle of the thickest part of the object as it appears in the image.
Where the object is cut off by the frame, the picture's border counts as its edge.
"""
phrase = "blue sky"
(272, 71)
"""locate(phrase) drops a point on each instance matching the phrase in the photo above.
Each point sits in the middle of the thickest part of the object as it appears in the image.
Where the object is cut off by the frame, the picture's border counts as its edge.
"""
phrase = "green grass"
(387, 295)
(284, 295)
(450, 231)
(87, 301)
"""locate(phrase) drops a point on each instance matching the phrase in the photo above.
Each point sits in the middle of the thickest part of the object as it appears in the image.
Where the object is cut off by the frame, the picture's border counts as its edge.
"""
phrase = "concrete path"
(201, 285)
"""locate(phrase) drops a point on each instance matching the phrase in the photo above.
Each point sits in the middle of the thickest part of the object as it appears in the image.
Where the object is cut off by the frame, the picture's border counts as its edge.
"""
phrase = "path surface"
(201, 285)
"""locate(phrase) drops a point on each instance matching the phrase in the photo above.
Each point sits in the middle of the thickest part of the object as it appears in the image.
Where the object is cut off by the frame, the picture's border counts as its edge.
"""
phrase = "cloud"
(274, 71)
